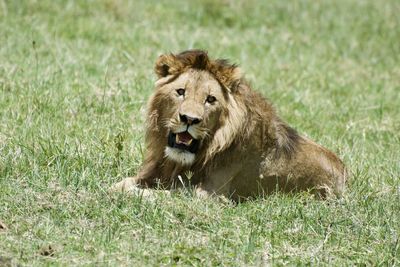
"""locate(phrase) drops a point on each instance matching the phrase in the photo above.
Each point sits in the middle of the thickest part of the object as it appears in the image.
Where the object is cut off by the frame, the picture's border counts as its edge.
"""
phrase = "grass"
(74, 80)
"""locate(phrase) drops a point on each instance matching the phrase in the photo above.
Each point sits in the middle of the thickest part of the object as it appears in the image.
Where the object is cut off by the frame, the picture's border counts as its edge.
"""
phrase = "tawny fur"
(246, 149)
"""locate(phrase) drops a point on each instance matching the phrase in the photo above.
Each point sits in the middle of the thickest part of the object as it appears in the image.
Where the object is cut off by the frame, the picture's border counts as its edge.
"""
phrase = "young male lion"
(205, 120)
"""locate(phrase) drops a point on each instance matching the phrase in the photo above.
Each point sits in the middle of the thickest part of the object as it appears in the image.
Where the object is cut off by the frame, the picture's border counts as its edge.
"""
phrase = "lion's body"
(243, 148)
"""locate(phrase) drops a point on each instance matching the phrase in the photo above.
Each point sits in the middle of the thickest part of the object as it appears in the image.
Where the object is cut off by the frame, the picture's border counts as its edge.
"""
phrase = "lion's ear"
(167, 65)
(228, 74)
(235, 78)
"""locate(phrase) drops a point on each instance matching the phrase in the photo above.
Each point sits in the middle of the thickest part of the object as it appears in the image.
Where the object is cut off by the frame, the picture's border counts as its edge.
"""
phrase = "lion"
(206, 127)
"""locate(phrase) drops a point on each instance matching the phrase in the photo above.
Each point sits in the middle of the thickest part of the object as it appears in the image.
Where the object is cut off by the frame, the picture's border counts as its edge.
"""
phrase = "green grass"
(74, 80)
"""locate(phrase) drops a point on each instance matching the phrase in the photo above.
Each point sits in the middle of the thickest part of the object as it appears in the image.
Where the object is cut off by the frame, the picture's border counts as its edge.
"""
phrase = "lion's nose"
(189, 120)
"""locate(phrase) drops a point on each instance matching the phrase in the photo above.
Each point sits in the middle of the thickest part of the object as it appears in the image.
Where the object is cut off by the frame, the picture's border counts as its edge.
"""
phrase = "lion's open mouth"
(183, 141)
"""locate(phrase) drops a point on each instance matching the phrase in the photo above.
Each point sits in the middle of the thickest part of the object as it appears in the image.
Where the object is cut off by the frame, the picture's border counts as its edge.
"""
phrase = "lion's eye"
(180, 91)
(211, 99)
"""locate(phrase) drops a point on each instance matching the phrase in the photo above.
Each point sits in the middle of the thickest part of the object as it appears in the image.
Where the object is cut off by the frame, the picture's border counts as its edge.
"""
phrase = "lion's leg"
(146, 178)
(200, 192)
(126, 185)
(131, 186)
(218, 183)
(317, 169)
(208, 189)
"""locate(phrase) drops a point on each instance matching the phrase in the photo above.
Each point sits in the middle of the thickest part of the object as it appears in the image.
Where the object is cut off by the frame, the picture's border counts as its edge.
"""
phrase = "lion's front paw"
(128, 185)
(201, 193)
(204, 194)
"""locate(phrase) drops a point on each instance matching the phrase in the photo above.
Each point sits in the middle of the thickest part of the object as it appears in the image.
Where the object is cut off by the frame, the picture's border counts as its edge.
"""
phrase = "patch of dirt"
(5, 262)
(47, 250)
(3, 227)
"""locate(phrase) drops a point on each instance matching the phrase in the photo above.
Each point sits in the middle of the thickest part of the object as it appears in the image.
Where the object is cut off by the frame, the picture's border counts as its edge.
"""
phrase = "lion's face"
(193, 106)
(194, 113)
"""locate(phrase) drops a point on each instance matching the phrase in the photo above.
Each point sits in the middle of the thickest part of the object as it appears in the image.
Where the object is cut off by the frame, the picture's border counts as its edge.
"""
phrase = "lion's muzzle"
(189, 120)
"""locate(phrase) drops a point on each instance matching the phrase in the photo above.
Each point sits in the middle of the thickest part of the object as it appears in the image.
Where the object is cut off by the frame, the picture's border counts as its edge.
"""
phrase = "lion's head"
(194, 112)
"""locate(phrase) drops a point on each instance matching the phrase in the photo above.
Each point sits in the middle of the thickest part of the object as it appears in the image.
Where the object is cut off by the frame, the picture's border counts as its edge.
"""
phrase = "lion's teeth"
(184, 141)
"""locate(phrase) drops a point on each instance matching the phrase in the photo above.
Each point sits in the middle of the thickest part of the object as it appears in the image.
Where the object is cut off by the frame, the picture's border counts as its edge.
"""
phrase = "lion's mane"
(247, 118)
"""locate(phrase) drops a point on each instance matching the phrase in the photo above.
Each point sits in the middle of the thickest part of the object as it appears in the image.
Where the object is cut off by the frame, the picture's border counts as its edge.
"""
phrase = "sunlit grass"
(74, 80)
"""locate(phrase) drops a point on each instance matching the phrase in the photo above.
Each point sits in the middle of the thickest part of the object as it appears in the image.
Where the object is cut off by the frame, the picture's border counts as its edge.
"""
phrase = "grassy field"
(74, 80)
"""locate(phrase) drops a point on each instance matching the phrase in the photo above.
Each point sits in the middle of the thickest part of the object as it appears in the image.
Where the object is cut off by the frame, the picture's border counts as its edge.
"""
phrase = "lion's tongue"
(184, 138)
